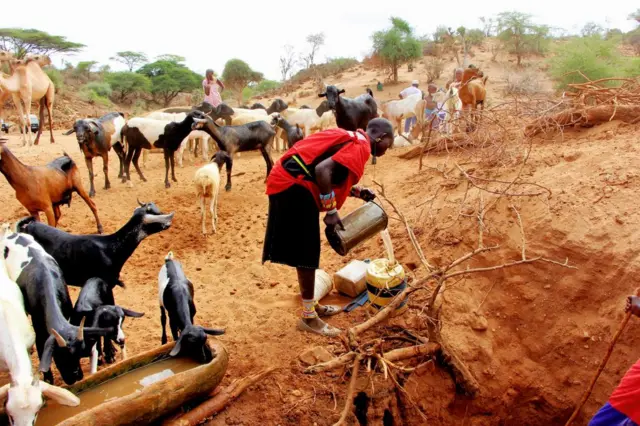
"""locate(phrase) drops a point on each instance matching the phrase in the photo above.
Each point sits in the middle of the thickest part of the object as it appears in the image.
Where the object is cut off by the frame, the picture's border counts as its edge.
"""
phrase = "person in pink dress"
(212, 88)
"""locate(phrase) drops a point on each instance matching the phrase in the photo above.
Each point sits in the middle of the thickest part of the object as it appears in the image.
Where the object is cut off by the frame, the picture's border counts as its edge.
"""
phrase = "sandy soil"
(547, 327)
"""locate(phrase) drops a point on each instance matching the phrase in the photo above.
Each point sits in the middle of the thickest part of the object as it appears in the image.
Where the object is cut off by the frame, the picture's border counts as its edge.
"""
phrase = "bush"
(127, 83)
(56, 78)
(594, 57)
(434, 68)
(633, 38)
(522, 83)
(474, 37)
(431, 48)
(96, 93)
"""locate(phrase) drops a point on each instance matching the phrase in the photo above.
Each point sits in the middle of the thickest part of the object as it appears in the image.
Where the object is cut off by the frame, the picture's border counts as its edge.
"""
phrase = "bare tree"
(316, 41)
(287, 62)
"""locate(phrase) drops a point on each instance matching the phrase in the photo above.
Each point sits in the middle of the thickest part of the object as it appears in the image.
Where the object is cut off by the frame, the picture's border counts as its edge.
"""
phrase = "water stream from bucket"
(123, 385)
(386, 240)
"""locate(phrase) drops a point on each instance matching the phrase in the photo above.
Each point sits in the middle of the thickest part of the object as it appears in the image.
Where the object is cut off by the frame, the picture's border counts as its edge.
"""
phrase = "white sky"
(209, 33)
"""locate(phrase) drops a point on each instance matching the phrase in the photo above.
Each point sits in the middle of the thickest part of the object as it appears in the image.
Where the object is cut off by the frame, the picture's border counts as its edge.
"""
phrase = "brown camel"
(28, 83)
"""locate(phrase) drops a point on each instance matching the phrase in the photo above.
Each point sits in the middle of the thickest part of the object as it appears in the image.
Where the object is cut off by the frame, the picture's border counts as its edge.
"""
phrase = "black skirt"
(293, 229)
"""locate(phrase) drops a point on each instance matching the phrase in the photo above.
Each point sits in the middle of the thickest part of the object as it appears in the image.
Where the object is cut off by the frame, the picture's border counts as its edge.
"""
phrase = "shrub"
(56, 78)
(434, 68)
(431, 48)
(633, 38)
(96, 93)
(592, 56)
(474, 37)
(100, 88)
(521, 83)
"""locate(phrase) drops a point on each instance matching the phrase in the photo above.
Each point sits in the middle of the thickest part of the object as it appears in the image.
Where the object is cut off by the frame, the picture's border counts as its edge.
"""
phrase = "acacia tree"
(127, 83)
(316, 41)
(519, 34)
(396, 45)
(23, 42)
(287, 62)
(169, 78)
(238, 74)
(130, 59)
(488, 25)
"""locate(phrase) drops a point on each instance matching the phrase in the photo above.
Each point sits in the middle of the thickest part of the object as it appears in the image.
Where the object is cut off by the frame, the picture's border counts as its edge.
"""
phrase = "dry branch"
(350, 391)
(589, 117)
(330, 365)
(411, 351)
(219, 401)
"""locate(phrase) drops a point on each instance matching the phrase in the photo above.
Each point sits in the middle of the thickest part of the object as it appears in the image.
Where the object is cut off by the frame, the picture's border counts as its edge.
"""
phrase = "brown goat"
(45, 188)
(472, 92)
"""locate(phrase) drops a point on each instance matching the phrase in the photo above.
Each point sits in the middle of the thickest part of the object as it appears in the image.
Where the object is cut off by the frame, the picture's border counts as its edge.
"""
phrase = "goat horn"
(81, 330)
(61, 342)
(141, 204)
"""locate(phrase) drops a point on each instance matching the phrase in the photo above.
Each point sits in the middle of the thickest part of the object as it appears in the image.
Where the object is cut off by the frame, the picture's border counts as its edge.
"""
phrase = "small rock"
(232, 292)
(585, 335)
(315, 355)
(273, 284)
(619, 221)
(297, 393)
(586, 346)
(198, 269)
(478, 322)
(547, 287)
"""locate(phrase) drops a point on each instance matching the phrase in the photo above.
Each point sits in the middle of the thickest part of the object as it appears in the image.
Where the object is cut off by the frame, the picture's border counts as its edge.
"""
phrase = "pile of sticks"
(591, 103)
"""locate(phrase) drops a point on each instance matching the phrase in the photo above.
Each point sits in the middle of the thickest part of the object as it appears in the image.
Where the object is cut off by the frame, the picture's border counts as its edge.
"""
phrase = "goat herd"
(39, 261)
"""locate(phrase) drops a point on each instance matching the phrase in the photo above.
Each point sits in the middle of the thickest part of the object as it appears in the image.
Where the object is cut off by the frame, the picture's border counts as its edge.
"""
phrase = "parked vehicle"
(34, 124)
(4, 126)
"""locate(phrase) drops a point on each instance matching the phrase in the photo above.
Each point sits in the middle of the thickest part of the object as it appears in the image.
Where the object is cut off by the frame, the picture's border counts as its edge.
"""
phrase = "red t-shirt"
(353, 155)
(626, 397)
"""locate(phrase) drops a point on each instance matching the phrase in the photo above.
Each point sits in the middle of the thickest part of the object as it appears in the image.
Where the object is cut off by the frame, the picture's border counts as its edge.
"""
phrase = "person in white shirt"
(411, 90)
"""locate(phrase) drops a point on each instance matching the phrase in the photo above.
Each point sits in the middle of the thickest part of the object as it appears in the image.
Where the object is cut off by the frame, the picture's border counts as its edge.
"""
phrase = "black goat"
(351, 114)
(257, 135)
(102, 256)
(176, 297)
(47, 300)
(95, 138)
(277, 105)
(292, 134)
(96, 304)
(223, 111)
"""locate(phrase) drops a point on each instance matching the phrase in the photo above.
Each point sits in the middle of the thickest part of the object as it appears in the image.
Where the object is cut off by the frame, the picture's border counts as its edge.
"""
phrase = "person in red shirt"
(317, 175)
(623, 407)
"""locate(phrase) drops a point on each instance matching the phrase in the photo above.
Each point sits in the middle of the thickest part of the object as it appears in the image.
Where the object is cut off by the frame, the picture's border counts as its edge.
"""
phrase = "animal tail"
(169, 256)
(370, 92)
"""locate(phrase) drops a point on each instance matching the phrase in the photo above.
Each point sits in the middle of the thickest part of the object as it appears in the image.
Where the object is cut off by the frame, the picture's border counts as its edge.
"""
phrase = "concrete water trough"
(138, 390)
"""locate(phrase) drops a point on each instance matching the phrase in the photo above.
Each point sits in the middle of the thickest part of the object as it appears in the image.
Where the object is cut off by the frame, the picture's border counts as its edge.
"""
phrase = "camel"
(28, 83)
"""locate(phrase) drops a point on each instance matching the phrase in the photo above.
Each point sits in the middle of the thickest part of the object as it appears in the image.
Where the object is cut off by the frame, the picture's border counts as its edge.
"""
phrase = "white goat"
(187, 143)
(207, 183)
(395, 111)
(452, 105)
(24, 392)
(307, 119)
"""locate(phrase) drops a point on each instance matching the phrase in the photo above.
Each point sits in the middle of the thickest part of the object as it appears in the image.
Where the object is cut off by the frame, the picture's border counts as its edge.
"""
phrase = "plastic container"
(352, 279)
(323, 285)
(359, 225)
(384, 282)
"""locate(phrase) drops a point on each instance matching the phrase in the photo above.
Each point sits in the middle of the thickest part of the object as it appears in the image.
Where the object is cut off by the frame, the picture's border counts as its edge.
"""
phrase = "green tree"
(171, 58)
(591, 29)
(475, 37)
(126, 83)
(488, 25)
(397, 45)
(168, 79)
(22, 42)
(130, 59)
(84, 67)
(238, 74)
(518, 33)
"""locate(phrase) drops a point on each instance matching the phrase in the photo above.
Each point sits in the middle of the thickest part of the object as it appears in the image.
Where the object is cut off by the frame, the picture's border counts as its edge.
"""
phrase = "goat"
(292, 133)
(47, 301)
(175, 292)
(146, 133)
(95, 303)
(220, 112)
(351, 114)
(397, 110)
(277, 105)
(102, 256)
(248, 137)
(194, 135)
(24, 392)
(207, 182)
(451, 106)
(45, 188)
(308, 119)
(95, 138)
(472, 92)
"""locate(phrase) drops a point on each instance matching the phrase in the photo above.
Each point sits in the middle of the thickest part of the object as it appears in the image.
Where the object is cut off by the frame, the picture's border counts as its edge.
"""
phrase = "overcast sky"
(256, 31)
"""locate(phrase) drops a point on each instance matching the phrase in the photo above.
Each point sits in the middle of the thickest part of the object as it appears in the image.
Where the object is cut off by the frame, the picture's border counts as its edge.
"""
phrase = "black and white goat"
(95, 138)
(47, 300)
(175, 292)
(351, 114)
(143, 133)
(95, 303)
(82, 257)
(257, 135)
(24, 392)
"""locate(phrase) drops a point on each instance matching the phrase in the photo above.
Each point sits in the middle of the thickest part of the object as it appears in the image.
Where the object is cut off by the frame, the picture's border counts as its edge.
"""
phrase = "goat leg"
(105, 169)
(229, 166)
(51, 217)
(173, 166)
(136, 156)
(92, 189)
(166, 170)
(203, 212)
(127, 164)
(163, 322)
(121, 157)
(57, 213)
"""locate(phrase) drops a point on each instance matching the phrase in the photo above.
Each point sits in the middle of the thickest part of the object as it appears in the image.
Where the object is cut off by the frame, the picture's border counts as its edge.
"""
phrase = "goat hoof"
(92, 194)
(227, 188)
(167, 185)
(100, 230)
(107, 186)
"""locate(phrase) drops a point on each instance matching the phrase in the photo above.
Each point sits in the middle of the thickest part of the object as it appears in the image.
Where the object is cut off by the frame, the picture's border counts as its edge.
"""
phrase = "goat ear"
(176, 349)
(341, 91)
(47, 355)
(322, 95)
(60, 395)
(132, 314)
(68, 132)
(213, 331)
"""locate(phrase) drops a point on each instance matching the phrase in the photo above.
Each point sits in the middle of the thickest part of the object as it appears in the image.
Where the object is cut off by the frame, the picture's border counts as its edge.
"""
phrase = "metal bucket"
(359, 225)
